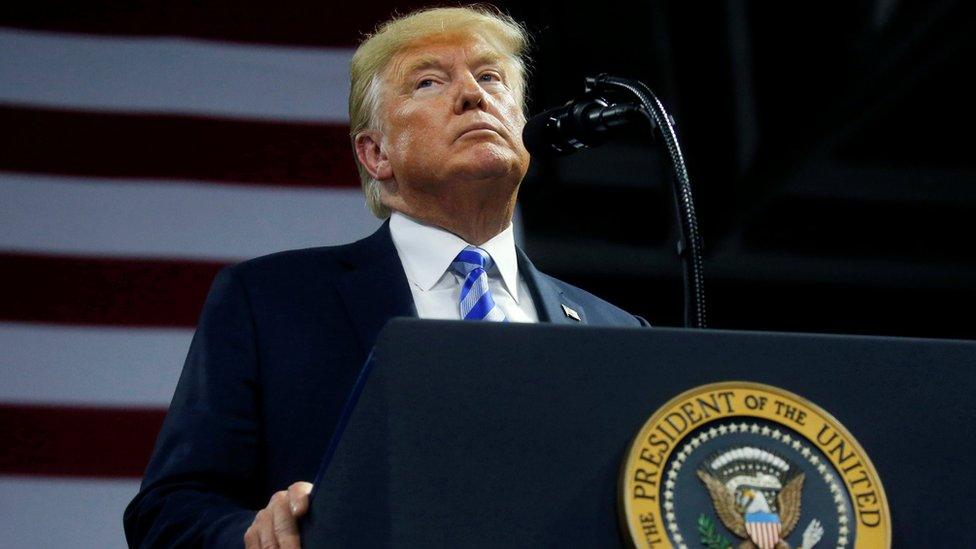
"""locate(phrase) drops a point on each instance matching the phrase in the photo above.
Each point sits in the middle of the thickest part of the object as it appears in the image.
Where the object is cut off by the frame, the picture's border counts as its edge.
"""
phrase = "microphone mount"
(580, 124)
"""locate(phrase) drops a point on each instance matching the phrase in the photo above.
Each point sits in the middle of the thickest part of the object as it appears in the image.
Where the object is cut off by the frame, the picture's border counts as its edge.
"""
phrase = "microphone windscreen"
(537, 135)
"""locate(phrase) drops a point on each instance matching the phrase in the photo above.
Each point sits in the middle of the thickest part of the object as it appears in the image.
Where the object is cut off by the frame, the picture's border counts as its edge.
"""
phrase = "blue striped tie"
(476, 302)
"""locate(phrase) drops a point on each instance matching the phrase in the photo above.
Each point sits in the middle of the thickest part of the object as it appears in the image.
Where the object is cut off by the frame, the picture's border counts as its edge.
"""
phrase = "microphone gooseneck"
(590, 121)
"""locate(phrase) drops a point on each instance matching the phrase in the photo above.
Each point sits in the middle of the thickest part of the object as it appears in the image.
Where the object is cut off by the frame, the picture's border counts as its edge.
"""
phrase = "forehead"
(441, 50)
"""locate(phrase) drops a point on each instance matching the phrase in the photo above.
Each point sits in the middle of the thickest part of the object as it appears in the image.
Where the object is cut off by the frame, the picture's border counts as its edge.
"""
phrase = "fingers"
(261, 533)
(251, 538)
(298, 498)
(276, 526)
(285, 528)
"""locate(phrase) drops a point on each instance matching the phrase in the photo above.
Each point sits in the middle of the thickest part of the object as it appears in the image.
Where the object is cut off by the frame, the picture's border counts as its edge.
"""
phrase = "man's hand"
(276, 526)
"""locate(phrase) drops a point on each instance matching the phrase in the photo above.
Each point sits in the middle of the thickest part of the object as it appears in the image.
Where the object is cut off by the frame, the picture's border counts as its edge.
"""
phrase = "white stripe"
(43, 364)
(173, 75)
(76, 215)
(495, 314)
(39, 512)
(478, 289)
(768, 534)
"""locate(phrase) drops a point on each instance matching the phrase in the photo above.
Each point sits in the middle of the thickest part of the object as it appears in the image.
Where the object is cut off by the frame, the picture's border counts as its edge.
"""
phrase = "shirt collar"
(427, 251)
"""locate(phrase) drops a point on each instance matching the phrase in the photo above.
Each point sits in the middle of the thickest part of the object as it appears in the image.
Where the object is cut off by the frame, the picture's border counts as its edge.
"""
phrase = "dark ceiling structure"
(830, 150)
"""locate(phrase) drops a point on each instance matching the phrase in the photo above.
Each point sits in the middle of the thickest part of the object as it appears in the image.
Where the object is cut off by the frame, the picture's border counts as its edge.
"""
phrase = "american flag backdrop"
(144, 146)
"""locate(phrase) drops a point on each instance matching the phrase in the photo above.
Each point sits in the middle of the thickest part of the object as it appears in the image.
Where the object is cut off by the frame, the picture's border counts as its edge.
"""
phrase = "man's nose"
(470, 95)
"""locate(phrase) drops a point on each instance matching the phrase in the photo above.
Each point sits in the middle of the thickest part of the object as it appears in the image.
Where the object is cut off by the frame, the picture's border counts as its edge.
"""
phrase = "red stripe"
(299, 22)
(103, 291)
(77, 441)
(175, 147)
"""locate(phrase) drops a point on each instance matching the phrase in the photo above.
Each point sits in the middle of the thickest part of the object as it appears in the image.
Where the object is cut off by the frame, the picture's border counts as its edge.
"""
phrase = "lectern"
(480, 434)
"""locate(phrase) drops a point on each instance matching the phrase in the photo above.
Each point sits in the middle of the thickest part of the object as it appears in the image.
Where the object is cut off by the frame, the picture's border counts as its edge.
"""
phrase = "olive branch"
(710, 536)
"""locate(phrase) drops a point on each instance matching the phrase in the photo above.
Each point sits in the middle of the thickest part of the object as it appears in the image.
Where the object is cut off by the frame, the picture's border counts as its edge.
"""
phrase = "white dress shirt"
(427, 252)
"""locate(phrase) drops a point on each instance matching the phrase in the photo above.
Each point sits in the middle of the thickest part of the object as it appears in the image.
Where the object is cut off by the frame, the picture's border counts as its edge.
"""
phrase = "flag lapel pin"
(571, 313)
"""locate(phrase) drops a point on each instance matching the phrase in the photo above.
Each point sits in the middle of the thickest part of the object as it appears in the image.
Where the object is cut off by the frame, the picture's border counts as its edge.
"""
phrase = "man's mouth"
(482, 127)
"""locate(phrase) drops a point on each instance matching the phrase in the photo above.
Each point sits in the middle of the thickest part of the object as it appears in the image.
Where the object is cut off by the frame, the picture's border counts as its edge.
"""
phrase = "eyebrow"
(419, 64)
(425, 62)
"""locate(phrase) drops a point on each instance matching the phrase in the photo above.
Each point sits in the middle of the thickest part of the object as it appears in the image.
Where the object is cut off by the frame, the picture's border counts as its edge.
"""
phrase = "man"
(436, 115)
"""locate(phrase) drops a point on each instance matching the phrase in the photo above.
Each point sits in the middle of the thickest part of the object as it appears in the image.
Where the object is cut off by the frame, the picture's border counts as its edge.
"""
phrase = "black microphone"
(578, 125)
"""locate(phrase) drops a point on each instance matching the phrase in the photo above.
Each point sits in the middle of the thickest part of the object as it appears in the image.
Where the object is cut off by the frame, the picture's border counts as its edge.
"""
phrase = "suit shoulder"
(598, 310)
(583, 297)
(283, 284)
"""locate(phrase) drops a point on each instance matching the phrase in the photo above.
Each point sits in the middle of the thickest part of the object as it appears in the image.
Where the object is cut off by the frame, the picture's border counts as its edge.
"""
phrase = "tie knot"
(469, 259)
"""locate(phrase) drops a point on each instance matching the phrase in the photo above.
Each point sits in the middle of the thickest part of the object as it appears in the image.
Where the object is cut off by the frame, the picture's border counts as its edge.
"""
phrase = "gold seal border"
(628, 466)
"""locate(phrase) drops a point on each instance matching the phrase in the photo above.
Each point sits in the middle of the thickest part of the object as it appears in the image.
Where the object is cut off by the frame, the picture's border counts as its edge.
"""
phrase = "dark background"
(829, 147)
(828, 143)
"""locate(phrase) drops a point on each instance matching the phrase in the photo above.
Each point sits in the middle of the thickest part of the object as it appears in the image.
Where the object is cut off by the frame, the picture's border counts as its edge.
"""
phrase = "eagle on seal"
(748, 515)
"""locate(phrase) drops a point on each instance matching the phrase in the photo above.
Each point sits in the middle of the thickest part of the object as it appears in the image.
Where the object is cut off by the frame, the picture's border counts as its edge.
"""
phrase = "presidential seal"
(744, 465)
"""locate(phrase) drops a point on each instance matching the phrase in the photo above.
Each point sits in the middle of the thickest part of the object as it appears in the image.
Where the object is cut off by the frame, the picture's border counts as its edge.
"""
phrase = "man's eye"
(425, 83)
(489, 77)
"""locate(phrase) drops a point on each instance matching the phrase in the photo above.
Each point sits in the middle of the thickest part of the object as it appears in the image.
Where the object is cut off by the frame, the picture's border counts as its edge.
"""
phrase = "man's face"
(450, 118)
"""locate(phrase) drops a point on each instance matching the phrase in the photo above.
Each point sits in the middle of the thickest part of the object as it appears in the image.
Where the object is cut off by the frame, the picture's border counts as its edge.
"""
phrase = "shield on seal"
(763, 529)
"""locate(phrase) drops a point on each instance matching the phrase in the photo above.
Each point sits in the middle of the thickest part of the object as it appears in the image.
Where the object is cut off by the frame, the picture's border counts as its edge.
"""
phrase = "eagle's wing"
(788, 502)
(724, 503)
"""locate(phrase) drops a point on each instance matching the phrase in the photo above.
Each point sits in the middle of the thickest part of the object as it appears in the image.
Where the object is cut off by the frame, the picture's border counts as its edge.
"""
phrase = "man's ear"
(372, 156)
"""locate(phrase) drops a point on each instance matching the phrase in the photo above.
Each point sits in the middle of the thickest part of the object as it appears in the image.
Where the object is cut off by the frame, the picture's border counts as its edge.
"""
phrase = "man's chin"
(487, 174)
(489, 163)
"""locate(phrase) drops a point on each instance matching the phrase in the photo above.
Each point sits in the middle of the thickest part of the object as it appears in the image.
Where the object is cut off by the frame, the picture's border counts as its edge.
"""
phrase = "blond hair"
(373, 56)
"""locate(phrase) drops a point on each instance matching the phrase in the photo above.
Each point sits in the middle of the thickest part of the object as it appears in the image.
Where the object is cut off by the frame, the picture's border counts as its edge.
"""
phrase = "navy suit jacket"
(279, 345)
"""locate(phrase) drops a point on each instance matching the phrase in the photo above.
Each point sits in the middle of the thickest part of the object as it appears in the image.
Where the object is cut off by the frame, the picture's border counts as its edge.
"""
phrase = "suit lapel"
(550, 301)
(374, 288)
